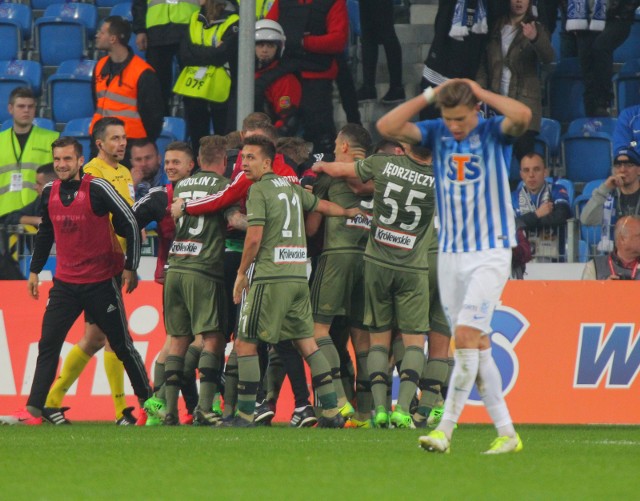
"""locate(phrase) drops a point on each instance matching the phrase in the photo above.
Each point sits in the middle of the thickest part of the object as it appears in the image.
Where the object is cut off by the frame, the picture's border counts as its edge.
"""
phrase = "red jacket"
(333, 42)
(284, 95)
(237, 190)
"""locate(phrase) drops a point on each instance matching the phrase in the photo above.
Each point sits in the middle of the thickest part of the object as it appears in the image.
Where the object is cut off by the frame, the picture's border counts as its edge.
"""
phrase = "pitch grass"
(102, 461)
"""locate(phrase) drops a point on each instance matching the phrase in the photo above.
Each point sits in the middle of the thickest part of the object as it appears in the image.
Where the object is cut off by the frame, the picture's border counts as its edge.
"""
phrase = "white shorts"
(471, 284)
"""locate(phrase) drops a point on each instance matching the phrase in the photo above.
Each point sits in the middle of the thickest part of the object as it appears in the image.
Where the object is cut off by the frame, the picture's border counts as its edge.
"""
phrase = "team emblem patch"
(284, 102)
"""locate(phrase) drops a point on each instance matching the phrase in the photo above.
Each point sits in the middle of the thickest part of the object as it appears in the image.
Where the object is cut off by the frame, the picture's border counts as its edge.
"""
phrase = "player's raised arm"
(517, 115)
(336, 169)
(397, 123)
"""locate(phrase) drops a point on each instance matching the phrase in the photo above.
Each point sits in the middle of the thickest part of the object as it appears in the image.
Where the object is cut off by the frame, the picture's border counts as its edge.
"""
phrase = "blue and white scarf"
(579, 17)
(461, 21)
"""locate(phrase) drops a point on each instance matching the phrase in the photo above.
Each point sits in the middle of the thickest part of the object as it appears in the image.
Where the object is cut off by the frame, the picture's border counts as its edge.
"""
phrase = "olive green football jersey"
(403, 207)
(343, 234)
(198, 246)
(278, 205)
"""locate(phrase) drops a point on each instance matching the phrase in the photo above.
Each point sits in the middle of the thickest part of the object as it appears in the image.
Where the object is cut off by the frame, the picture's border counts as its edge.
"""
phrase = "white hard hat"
(270, 31)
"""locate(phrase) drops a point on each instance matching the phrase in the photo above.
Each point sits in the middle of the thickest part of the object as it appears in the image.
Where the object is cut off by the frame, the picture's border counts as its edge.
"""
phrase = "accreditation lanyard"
(634, 270)
(14, 138)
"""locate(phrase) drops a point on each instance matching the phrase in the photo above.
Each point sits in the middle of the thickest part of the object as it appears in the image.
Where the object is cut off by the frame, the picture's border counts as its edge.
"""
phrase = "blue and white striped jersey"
(472, 186)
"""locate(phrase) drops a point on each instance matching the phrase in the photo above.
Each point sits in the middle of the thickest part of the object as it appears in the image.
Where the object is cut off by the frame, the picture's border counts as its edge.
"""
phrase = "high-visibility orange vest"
(119, 98)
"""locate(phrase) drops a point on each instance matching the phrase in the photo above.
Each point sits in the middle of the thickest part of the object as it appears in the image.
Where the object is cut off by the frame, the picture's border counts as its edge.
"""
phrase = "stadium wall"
(568, 352)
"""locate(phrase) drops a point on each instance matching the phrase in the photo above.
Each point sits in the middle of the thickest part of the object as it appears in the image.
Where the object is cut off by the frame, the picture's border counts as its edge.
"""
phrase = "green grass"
(102, 461)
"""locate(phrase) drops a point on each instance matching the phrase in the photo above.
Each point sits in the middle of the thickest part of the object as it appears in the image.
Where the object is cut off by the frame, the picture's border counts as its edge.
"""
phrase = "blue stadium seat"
(14, 74)
(176, 127)
(11, 46)
(15, 29)
(43, 4)
(70, 90)
(44, 123)
(63, 31)
(566, 89)
(548, 141)
(587, 157)
(587, 126)
(79, 128)
(583, 251)
(630, 49)
(122, 9)
(85, 13)
(107, 3)
(627, 84)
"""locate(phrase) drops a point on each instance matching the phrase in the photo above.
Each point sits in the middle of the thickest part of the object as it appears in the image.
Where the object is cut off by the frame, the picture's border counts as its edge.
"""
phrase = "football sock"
(490, 387)
(173, 369)
(463, 377)
(433, 375)
(323, 383)
(248, 380)
(274, 376)
(189, 388)
(364, 401)
(397, 349)
(115, 375)
(158, 380)
(378, 364)
(348, 376)
(445, 387)
(412, 365)
(230, 385)
(325, 344)
(209, 368)
(74, 363)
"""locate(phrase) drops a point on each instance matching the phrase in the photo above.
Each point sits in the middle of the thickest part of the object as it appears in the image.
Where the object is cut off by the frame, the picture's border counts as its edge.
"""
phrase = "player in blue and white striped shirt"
(471, 163)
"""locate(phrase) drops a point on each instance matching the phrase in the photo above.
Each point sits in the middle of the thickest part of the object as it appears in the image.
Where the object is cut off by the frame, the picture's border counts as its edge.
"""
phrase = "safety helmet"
(270, 31)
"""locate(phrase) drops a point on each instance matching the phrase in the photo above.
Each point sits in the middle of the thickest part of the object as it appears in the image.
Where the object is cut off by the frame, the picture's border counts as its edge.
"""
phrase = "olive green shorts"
(276, 311)
(193, 304)
(437, 318)
(338, 288)
(396, 298)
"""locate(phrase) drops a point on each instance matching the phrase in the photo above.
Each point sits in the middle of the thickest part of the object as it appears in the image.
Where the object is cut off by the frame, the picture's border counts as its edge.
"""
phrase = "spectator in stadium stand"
(618, 196)
(207, 82)
(159, 26)
(23, 148)
(30, 214)
(623, 262)
(460, 35)
(281, 100)
(542, 208)
(146, 167)
(82, 215)
(316, 30)
(517, 44)
(125, 86)
(599, 28)
(626, 133)
(376, 24)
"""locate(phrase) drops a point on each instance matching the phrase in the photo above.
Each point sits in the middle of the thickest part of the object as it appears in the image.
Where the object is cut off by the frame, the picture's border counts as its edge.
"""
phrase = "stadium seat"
(627, 85)
(630, 49)
(176, 127)
(70, 90)
(63, 31)
(79, 128)
(43, 4)
(566, 89)
(18, 73)
(586, 158)
(44, 123)
(587, 126)
(583, 251)
(353, 10)
(15, 29)
(85, 13)
(122, 9)
(548, 141)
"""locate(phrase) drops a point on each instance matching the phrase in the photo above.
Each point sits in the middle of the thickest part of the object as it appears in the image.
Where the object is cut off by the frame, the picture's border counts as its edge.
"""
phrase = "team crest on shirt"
(464, 168)
(285, 102)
